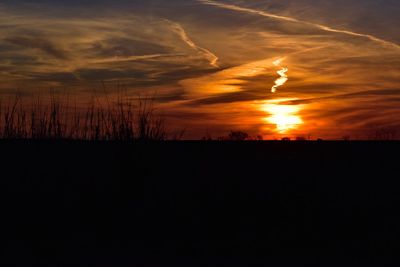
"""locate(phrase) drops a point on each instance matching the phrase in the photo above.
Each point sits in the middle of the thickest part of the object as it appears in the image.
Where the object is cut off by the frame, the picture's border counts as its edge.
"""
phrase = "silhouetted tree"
(207, 137)
(346, 138)
(385, 134)
(238, 136)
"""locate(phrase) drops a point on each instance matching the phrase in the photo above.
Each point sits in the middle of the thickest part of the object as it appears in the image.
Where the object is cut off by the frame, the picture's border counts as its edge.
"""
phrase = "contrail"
(212, 58)
(282, 73)
(132, 58)
(319, 26)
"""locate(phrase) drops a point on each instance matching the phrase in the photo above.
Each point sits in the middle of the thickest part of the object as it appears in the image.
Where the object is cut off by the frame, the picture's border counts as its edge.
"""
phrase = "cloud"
(137, 49)
(294, 20)
(131, 58)
(37, 43)
(360, 94)
(212, 58)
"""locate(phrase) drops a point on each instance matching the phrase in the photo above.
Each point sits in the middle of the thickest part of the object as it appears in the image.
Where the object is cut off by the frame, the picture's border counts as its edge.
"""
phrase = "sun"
(285, 117)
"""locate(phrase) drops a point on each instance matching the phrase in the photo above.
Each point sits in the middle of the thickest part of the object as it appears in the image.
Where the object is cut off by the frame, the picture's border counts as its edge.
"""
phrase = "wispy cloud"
(212, 58)
(290, 19)
(132, 58)
(44, 45)
(283, 77)
(36, 49)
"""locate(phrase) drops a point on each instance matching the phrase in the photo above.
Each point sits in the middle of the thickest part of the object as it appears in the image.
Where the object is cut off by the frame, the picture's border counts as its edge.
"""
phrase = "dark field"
(200, 204)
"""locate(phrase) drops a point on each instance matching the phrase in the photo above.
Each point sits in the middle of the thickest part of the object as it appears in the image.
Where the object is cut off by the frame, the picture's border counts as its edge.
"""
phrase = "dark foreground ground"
(200, 204)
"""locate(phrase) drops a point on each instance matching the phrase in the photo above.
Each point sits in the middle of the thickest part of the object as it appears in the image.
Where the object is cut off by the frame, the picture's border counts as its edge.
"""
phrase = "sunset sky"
(269, 67)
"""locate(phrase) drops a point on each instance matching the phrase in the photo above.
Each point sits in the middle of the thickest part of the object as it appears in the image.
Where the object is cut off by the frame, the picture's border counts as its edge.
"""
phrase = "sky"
(275, 68)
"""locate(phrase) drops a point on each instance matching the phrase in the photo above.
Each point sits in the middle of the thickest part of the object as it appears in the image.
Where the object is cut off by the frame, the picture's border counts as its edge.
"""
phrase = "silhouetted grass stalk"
(120, 120)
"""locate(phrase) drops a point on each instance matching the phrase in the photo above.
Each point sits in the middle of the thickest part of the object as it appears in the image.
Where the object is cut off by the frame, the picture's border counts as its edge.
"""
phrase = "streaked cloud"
(294, 20)
(37, 43)
(213, 59)
(115, 48)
